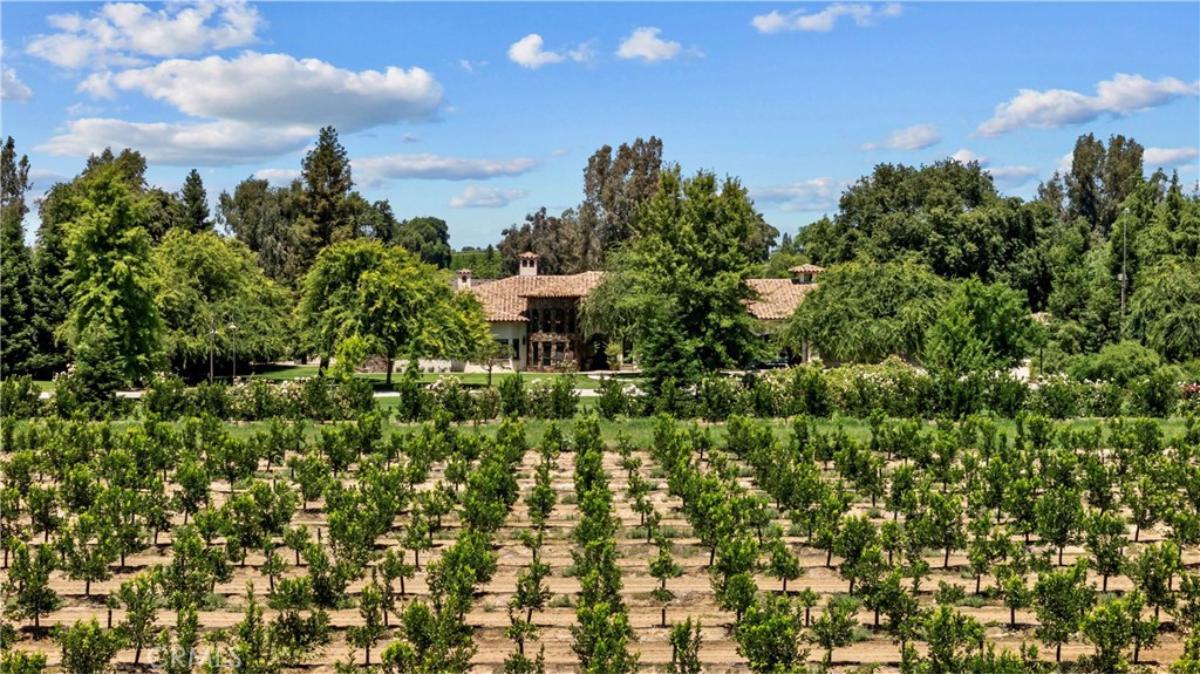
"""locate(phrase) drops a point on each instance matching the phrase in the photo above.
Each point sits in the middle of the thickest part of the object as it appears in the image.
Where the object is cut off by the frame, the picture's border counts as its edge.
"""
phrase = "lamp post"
(212, 336)
(233, 328)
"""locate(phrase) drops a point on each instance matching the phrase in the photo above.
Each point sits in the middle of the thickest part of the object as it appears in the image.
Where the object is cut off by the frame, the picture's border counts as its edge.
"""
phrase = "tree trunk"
(390, 366)
(137, 654)
(663, 621)
(1012, 616)
(1058, 653)
(946, 559)
(1104, 583)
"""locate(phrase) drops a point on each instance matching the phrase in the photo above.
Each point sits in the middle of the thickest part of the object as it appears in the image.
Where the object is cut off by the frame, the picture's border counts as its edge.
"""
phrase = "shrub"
(354, 397)
(19, 398)
(718, 397)
(210, 398)
(448, 393)
(514, 402)
(1058, 397)
(1119, 363)
(555, 399)
(166, 396)
(257, 399)
(1156, 394)
(486, 402)
(414, 401)
(808, 393)
(612, 400)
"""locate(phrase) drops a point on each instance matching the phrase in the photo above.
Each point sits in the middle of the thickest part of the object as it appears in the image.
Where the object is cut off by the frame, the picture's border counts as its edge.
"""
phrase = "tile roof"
(777, 297)
(506, 300)
(806, 269)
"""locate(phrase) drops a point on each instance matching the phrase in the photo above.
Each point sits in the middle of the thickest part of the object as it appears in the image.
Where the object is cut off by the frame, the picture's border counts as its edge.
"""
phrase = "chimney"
(805, 274)
(464, 279)
(527, 264)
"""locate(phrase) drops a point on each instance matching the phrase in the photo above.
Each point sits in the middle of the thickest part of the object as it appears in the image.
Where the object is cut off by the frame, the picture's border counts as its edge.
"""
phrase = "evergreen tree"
(327, 183)
(17, 335)
(195, 202)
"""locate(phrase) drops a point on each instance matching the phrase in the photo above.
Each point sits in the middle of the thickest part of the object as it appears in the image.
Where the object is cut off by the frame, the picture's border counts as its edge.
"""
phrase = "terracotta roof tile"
(777, 297)
(507, 299)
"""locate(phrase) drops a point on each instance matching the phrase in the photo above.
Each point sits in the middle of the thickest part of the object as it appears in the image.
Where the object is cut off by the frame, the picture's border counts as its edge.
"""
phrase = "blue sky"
(481, 113)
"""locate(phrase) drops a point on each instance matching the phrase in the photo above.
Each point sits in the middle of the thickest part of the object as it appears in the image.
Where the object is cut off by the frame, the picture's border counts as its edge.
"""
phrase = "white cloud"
(475, 196)
(816, 194)
(1157, 157)
(915, 137)
(12, 88)
(1008, 176)
(122, 33)
(1052, 108)
(528, 52)
(965, 156)
(375, 170)
(824, 21)
(644, 43)
(180, 144)
(279, 89)
(1012, 176)
(277, 176)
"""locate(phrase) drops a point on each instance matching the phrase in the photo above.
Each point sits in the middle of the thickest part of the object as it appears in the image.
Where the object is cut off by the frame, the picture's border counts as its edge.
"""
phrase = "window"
(560, 352)
(546, 355)
(516, 349)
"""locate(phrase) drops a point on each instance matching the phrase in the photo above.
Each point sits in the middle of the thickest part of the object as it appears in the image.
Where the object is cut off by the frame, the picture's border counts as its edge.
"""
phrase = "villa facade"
(536, 316)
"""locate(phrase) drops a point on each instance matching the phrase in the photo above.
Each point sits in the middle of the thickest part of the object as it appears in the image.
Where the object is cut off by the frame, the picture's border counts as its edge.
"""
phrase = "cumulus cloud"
(124, 33)
(1052, 108)
(916, 137)
(180, 143)
(1159, 157)
(528, 52)
(965, 156)
(816, 194)
(475, 196)
(1008, 176)
(280, 89)
(861, 14)
(277, 176)
(11, 86)
(644, 43)
(375, 170)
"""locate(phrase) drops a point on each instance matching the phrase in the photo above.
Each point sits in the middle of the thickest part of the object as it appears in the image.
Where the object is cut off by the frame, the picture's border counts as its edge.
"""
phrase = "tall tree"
(615, 185)
(112, 325)
(427, 236)
(195, 202)
(681, 281)
(264, 218)
(362, 298)
(17, 332)
(327, 183)
(1100, 178)
(211, 295)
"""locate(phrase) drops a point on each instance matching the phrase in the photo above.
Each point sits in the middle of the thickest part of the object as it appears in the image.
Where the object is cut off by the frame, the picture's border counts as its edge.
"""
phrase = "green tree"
(835, 626)
(1165, 310)
(22, 662)
(327, 181)
(1060, 599)
(265, 220)
(363, 296)
(86, 647)
(864, 312)
(195, 203)
(139, 597)
(685, 647)
(679, 287)
(428, 237)
(768, 635)
(17, 328)
(214, 299)
(28, 583)
(112, 327)
(982, 327)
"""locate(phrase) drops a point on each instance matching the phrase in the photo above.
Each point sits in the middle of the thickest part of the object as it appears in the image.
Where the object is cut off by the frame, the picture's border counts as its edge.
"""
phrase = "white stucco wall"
(509, 331)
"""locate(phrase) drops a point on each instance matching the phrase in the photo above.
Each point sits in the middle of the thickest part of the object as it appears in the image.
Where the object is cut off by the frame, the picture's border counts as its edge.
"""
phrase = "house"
(536, 316)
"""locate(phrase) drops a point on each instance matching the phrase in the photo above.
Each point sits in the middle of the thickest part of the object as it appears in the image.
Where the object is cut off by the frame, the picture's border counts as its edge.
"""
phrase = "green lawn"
(281, 373)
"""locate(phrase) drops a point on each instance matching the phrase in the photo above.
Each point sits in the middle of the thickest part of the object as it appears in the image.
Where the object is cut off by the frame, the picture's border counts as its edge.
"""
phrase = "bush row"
(892, 388)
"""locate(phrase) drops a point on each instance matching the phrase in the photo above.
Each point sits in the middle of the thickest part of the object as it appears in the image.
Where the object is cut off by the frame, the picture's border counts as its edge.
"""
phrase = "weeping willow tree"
(863, 312)
(1165, 311)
